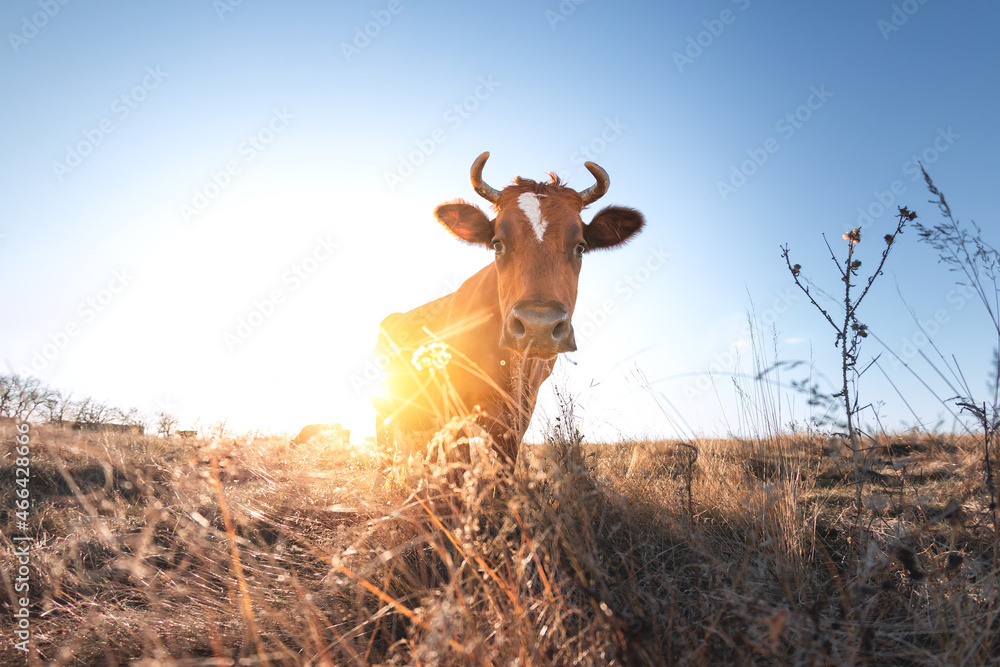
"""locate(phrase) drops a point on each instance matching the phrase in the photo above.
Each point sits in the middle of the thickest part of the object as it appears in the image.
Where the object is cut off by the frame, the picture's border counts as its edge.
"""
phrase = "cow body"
(489, 346)
(497, 381)
(330, 432)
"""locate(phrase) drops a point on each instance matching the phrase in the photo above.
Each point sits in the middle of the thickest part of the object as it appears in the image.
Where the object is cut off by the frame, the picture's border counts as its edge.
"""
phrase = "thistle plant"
(850, 331)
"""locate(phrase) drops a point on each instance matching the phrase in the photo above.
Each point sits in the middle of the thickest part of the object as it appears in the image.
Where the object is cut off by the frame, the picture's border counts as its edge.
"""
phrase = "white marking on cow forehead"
(528, 201)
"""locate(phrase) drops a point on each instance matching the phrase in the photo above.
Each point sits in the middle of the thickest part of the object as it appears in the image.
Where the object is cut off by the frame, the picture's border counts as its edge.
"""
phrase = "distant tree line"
(29, 399)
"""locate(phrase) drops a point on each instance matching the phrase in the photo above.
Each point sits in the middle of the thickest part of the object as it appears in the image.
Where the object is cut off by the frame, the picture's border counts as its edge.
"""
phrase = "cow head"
(539, 240)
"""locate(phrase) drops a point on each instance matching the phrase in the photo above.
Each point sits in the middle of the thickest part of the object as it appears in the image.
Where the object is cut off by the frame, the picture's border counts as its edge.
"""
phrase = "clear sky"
(210, 206)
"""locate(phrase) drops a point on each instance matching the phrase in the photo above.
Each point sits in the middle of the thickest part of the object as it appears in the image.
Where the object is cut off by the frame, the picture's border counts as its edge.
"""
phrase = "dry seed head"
(853, 236)
(435, 355)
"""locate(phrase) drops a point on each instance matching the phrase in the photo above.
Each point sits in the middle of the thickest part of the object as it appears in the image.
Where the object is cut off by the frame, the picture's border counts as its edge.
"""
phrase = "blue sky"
(184, 175)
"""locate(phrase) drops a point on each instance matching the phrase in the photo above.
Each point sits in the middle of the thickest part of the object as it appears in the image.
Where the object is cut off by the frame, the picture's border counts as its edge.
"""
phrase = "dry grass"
(709, 552)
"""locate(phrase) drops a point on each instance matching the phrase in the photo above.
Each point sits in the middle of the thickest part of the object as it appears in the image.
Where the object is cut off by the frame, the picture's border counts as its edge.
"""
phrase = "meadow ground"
(253, 551)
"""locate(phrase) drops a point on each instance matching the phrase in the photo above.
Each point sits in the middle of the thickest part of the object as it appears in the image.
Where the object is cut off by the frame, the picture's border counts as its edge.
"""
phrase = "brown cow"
(497, 337)
(334, 432)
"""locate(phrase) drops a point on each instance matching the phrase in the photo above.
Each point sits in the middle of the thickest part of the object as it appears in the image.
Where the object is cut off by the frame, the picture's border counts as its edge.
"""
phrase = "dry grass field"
(250, 551)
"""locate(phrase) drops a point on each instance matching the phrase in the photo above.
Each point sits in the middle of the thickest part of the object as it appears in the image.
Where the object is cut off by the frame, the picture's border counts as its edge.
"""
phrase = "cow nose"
(539, 329)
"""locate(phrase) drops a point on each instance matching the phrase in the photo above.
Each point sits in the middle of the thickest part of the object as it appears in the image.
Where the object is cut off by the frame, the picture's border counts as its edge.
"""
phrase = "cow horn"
(595, 192)
(484, 190)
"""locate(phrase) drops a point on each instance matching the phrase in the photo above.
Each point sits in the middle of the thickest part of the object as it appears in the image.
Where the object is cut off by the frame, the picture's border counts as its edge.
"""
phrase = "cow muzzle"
(538, 330)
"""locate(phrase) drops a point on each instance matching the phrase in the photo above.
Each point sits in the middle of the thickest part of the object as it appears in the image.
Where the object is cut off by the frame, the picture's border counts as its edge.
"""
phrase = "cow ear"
(612, 226)
(466, 222)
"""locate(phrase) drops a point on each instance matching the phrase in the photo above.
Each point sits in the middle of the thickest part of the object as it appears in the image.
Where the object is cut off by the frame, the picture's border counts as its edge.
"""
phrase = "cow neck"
(476, 297)
(478, 301)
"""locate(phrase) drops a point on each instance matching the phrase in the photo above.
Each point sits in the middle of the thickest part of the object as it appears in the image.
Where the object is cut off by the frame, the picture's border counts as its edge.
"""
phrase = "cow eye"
(497, 245)
(580, 249)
